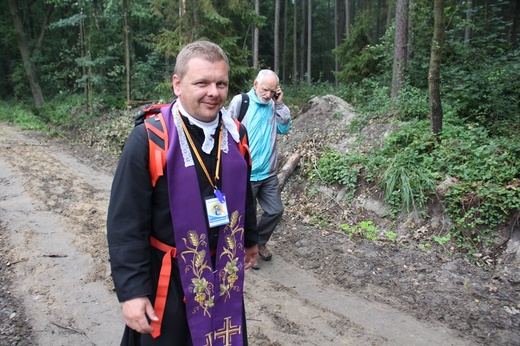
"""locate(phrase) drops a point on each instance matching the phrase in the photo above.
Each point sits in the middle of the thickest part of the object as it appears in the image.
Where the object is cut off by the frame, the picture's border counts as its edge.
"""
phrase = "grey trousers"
(267, 193)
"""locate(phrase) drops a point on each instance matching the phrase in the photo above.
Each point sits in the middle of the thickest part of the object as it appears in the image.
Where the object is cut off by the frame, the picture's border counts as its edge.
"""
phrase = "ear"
(176, 82)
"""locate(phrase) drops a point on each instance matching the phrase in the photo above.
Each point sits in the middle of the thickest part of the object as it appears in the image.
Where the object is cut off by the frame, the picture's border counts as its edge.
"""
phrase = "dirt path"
(56, 286)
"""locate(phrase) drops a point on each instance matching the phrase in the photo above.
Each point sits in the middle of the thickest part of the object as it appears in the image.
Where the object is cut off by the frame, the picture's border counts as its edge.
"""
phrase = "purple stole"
(214, 296)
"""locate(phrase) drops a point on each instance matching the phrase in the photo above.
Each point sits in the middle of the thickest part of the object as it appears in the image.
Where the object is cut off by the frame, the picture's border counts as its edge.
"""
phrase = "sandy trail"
(53, 203)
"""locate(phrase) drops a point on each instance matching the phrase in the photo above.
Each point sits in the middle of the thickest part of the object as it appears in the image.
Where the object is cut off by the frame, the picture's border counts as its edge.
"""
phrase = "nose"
(212, 89)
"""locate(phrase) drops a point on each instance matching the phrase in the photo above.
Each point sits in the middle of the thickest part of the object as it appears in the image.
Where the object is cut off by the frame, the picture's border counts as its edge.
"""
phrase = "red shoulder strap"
(157, 145)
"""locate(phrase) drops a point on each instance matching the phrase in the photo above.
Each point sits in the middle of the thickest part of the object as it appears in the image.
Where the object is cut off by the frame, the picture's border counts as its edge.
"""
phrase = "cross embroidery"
(227, 331)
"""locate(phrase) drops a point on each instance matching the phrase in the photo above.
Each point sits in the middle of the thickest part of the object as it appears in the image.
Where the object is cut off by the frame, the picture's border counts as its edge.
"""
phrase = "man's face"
(266, 88)
(203, 90)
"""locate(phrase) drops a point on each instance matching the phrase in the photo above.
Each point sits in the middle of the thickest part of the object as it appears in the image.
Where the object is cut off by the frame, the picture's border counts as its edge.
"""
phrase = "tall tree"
(336, 41)
(255, 37)
(400, 47)
(285, 35)
(25, 52)
(302, 41)
(348, 16)
(295, 44)
(309, 40)
(126, 42)
(277, 36)
(434, 74)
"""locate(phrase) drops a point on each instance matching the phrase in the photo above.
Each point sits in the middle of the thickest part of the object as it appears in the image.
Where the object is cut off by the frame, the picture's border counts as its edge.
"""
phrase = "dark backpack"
(243, 106)
(157, 133)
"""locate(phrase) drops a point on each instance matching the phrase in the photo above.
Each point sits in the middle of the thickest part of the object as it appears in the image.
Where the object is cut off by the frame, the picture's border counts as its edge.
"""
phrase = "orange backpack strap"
(243, 143)
(158, 140)
(157, 145)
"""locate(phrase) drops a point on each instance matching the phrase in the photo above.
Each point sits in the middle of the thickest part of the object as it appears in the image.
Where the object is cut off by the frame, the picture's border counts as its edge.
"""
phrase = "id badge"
(217, 211)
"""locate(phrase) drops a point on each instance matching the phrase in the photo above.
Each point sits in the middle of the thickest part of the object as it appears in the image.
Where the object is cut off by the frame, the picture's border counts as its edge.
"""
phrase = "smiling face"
(203, 88)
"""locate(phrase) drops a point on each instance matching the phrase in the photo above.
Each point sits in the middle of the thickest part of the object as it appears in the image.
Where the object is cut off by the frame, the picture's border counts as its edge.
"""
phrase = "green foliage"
(370, 97)
(62, 110)
(412, 103)
(365, 229)
(354, 53)
(392, 236)
(333, 167)
(442, 240)
(424, 246)
(408, 178)
(485, 169)
(20, 115)
(487, 91)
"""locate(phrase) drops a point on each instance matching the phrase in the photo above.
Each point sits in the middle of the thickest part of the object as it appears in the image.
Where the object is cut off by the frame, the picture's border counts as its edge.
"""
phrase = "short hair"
(260, 76)
(206, 50)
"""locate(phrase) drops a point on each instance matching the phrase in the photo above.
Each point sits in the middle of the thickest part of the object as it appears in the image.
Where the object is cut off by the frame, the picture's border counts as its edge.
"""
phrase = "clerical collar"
(208, 129)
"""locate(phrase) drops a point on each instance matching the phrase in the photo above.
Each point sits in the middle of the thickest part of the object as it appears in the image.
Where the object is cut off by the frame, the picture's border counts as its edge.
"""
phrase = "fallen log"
(287, 169)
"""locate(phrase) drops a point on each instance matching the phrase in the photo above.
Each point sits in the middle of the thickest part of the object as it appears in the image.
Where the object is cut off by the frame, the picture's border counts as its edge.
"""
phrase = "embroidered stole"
(214, 296)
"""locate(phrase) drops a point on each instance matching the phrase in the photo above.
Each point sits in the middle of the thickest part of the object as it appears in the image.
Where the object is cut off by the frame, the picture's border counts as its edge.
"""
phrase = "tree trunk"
(23, 45)
(285, 34)
(309, 41)
(302, 42)
(468, 32)
(411, 26)
(348, 18)
(45, 23)
(126, 40)
(277, 36)
(83, 53)
(401, 40)
(295, 45)
(389, 13)
(255, 37)
(336, 41)
(435, 67)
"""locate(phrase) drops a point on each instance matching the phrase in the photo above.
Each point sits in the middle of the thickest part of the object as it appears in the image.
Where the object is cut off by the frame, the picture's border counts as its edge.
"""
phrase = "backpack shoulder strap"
(243, 143)
(157, 144)
(243, 106)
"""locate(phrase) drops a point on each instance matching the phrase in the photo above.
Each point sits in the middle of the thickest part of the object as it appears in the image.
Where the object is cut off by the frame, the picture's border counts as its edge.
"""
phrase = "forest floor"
(320, 288)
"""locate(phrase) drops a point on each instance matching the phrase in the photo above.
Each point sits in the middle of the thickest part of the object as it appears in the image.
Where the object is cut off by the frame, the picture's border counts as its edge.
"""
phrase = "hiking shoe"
(264, 252)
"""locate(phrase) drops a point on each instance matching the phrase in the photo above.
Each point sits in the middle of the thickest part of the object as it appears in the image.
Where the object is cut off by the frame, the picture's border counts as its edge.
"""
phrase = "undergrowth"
(481, 168)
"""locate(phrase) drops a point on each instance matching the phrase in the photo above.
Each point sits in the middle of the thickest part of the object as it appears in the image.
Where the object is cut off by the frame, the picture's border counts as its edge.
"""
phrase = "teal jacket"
(263, 122)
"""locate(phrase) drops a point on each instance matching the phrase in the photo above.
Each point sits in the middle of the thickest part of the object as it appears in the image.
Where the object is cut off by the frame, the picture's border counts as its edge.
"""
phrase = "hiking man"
(266, 116)
(178, 267)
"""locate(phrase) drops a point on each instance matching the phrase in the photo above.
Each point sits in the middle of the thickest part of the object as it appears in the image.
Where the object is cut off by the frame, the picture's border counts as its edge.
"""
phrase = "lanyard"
(196, 151)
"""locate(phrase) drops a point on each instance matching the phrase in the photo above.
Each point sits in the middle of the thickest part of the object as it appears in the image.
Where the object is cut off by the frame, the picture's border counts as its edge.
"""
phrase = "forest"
(446, 71)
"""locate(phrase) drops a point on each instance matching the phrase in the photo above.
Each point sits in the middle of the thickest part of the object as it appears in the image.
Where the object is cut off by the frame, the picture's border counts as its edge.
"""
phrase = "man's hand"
(251, 255)
(279, 91)
(135, 312)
